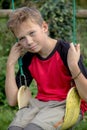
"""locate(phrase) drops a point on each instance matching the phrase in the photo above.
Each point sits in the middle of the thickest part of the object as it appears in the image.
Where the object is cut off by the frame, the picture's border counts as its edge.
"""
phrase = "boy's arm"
(11, 88)
(80, 80)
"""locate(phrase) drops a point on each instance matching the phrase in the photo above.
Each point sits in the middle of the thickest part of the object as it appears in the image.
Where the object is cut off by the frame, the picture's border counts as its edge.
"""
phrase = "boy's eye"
(32, 33)
(22, 38)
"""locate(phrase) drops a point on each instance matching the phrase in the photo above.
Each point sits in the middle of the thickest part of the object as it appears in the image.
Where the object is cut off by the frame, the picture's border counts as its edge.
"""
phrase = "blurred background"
(59, 15)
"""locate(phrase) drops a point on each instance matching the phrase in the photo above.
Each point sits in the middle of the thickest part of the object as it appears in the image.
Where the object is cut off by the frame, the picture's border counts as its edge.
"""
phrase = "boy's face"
(32, 36)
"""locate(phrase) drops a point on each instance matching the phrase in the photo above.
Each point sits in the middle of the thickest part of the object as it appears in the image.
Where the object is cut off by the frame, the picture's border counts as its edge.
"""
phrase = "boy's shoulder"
(27, 58)
(63, 45)
(62, 48)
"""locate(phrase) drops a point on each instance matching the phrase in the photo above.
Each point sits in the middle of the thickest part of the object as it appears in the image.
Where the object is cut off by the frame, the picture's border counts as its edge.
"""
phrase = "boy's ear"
(45, 26)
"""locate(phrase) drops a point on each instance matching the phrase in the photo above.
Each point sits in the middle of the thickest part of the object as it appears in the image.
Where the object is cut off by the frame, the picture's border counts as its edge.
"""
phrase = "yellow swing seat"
(72, 108)
(23, 97)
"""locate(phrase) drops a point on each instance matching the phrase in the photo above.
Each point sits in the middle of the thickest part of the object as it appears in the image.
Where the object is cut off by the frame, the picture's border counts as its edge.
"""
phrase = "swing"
(72, 101)
(24, 93)
(72, 109)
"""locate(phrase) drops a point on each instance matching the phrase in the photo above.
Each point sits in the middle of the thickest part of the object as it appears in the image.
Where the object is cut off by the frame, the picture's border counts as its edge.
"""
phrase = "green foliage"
(58, 15)
(33, 88)
(6, 40)
(6, 116)
(83, 124)
(82, 37)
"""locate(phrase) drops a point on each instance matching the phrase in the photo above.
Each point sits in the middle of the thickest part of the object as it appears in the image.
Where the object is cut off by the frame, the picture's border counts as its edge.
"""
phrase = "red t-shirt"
(51, 74)
(52, 77)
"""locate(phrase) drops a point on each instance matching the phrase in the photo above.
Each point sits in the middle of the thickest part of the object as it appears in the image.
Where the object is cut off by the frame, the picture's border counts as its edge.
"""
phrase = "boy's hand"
(73, 55)
(15, 53)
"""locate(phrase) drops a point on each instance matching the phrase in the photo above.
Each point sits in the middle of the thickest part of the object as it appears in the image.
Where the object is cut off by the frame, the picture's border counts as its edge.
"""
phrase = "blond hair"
(21, 15)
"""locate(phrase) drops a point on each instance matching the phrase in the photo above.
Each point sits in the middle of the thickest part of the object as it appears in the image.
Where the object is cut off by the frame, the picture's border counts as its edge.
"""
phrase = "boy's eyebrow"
(25, 34)
(20, 38)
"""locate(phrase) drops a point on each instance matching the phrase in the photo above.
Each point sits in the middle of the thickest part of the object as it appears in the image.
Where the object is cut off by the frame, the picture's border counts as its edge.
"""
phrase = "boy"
(52, 63)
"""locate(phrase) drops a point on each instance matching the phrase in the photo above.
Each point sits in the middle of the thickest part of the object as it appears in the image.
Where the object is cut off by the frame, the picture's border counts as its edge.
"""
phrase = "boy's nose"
(29, 40)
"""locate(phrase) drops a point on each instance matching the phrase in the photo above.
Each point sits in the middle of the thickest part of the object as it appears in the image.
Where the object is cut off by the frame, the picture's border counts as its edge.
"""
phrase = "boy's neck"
(49, 46)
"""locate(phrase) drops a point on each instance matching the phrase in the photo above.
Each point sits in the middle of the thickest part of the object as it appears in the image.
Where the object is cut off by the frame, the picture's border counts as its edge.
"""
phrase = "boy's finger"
(72, 45)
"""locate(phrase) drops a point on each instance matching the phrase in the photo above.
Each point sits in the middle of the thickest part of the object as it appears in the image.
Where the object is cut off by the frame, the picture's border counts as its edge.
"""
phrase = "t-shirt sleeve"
(64, 47)
(27, 78)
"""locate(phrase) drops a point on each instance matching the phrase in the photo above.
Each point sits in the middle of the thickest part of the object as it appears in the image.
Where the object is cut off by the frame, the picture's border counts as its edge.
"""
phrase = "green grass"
(82, 125)
(6, 116)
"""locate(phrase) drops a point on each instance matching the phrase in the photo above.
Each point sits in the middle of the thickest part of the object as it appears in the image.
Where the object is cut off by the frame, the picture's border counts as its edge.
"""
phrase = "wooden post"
(5, 12)
(82, 13)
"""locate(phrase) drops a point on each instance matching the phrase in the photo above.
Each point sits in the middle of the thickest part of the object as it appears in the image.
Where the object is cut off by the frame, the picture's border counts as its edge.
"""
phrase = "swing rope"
(73, 99)
(13, 5)
(20, 59)
(24, 94)
(74, 22)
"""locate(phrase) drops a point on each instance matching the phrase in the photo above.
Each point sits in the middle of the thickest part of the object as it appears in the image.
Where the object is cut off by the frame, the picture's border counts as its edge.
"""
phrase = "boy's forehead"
(25, 27)
(28, 23)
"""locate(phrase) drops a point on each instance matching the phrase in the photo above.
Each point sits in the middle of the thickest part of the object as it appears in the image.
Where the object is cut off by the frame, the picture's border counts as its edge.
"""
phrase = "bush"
(6, 41)
(58, 14)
